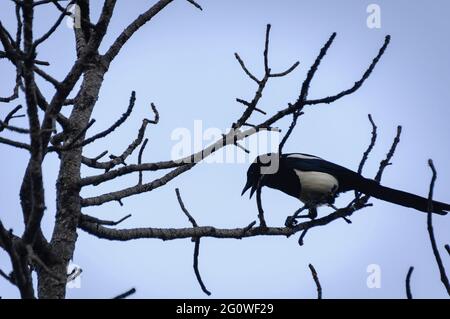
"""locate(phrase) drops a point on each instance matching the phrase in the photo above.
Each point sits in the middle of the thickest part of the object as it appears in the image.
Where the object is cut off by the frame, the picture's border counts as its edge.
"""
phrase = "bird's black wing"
(348, 179)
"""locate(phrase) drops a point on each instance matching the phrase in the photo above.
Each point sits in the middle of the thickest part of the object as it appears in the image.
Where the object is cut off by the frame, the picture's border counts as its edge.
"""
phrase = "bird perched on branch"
(316, 182)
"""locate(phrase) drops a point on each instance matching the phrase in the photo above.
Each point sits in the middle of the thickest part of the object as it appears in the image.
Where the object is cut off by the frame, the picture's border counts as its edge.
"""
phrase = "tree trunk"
(68, 201)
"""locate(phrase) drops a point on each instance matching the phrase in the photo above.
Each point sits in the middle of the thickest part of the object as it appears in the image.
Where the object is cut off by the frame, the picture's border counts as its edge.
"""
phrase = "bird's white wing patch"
(316, 186)
(303, 156)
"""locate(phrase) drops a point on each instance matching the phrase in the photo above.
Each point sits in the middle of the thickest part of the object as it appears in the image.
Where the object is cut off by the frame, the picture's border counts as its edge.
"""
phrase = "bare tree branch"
(102, 24)
(408, 283)
(210, 231)
(284, 73)
(195, 265)
(134, 190)
(245, 69)
(11, 115)
(302, 237)
(15, 93)
(91, 219)
(434, 246)
(7, 277)
(72, 144)
(22, 275)
(195, 4)
(126, 294)
(316, 280)
(312, 71)
(295, 117)
(304, 91)
(292, 108)
(248, 104)
(358, 83)
(369, 149)
(131, 168)
(42, 2)
(141, 151)
(197, 243)
(116, 160)
(251, 106)
(47, 77)
(15, 143)
(132, 28)
(387, 161)
(118, 123)
(53, 28)
(183, 208)
(371, 145)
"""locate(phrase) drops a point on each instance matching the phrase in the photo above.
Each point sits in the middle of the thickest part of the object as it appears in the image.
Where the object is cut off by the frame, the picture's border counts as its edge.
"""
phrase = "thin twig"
(116, 160)
(72, 144)
(195, 4)
(280, 74)
(358, 83)
(54, 27)
(242, 147)
(183, 208)
(407, 283)
(298, 106)
(156, 114)
(125, 294)
(266, 50)
(316, 280)
(434, 246)
(371, 145)
(197, 243)
(47, 77)
(312, 71)
(17, 144)
(7, 277)
(248, 104)
(302, 237)
(195, 265)
(369, 149)
(249, 226)
(245, 69)
(141, 151)
(116, 124)
(295, 117)
(11, 115)
(97, 221)
(387, 161)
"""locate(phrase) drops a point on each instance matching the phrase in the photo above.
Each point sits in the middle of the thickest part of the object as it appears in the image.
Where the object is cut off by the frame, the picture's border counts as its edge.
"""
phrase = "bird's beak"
(248, 186)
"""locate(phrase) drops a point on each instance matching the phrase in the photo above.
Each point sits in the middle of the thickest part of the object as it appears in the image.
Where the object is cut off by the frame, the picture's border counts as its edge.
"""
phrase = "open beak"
(248, 186)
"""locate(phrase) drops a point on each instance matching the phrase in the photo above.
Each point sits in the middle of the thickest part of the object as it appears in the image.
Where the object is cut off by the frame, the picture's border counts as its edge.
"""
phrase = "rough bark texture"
(68, 190)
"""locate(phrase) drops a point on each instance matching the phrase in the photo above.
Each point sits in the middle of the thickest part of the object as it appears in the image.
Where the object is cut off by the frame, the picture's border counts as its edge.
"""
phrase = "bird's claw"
(290, 222)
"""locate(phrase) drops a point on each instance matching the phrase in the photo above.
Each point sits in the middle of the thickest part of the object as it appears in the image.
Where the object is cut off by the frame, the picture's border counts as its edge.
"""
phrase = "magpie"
(316, 182)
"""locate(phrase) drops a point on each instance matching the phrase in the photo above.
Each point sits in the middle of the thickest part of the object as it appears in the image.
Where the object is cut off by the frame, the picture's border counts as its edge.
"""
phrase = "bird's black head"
(262, 166)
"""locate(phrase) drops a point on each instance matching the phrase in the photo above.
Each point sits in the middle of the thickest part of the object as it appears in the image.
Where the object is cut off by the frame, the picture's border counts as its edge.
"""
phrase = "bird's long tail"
(372, 188)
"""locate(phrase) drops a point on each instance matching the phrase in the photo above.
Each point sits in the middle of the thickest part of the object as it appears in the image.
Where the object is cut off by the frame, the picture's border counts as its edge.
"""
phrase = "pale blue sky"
(183, 61)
